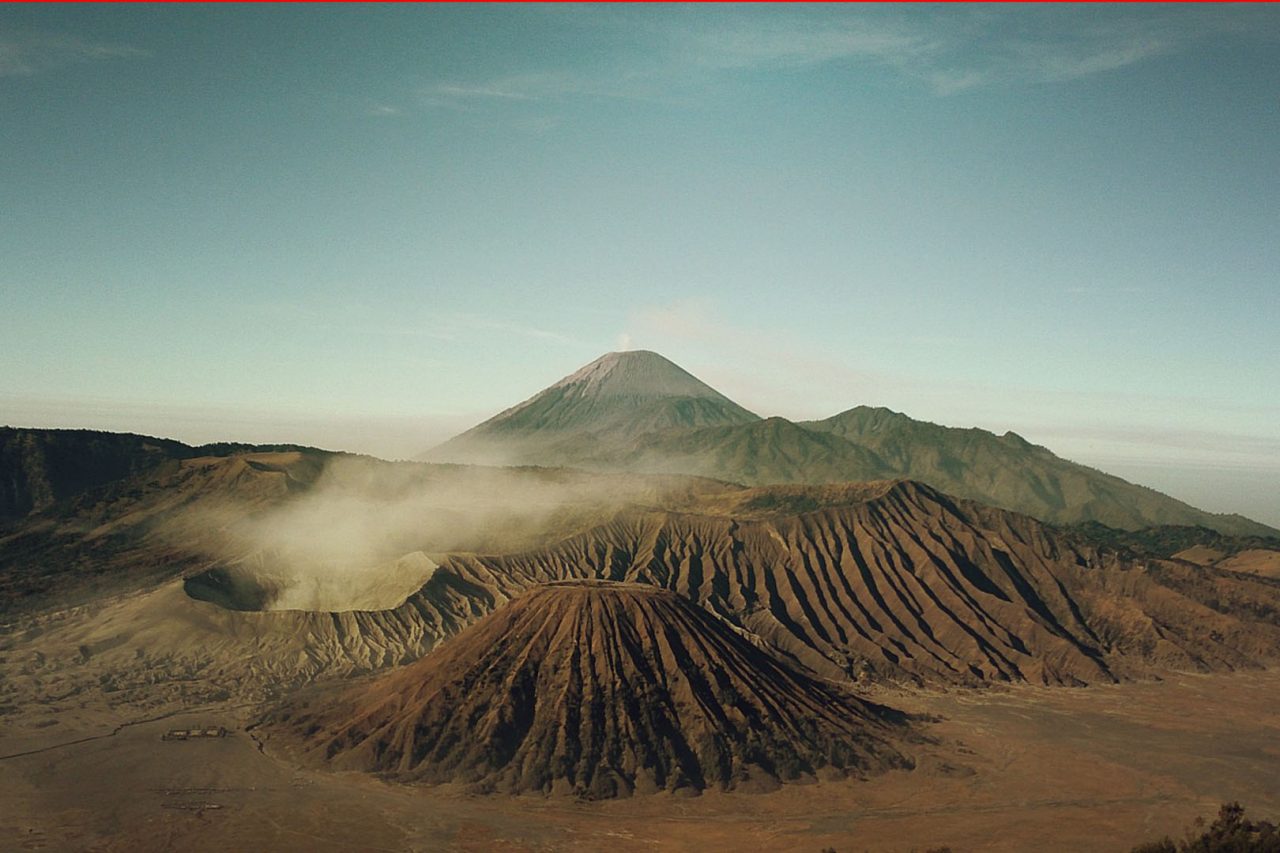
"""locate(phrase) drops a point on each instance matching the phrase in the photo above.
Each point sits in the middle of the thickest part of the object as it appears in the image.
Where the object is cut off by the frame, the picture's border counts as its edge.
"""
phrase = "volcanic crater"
(266, 583)
(596, 689)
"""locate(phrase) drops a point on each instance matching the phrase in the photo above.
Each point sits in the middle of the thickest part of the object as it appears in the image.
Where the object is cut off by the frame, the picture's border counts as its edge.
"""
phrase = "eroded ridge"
(597, 689)
(906, 583)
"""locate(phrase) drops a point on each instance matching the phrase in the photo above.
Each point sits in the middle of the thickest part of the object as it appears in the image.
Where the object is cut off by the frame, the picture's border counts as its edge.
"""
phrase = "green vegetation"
(1232, 832)
(1009, 472)
(783, 503)
(1165, 541)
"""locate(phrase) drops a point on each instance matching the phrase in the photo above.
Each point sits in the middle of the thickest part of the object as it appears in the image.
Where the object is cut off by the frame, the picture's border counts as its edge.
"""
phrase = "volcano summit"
(599, 409)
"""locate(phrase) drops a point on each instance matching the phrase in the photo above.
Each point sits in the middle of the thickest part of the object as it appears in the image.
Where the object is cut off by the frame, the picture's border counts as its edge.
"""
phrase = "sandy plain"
(1009, 769)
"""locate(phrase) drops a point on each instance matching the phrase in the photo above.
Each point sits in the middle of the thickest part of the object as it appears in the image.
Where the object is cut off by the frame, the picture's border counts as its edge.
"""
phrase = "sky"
(368, 228)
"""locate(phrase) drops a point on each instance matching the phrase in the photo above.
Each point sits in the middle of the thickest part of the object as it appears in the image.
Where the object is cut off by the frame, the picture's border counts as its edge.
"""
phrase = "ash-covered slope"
(605, 405)
(895, 580)
(871, 581)
(597, 690)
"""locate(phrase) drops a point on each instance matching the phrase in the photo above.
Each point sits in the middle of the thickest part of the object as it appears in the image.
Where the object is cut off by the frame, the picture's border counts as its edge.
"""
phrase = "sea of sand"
(1009, 769)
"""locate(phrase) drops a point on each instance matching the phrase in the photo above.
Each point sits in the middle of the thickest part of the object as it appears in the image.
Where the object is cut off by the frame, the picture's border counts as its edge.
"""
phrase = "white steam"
(361, 534)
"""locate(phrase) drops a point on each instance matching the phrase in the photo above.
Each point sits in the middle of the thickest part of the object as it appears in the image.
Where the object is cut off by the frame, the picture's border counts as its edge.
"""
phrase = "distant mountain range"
(639, 412)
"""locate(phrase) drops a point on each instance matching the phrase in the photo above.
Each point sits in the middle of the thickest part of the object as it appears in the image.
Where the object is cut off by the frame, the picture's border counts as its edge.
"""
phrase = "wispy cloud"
(671, 60)
(950, 81)
(506, 90)
(946, 51)
(1101, 290)
(753, 42)
(24, 54)
(541, 88)
(1059, 44)
(479, 323)
(344, 317)
(1052, 63)
(1049, 56)
(1201, 446)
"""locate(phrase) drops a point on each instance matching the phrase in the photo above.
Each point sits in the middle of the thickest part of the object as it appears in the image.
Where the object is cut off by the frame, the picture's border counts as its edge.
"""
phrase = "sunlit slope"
(899, 581)
(598, 690)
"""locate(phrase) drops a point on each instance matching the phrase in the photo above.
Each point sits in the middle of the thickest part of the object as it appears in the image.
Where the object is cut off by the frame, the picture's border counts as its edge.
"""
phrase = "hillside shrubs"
(1232, 832)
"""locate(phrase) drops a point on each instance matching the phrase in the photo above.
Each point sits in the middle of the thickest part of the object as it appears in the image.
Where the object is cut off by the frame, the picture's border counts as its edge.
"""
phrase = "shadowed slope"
(599, 690)
(40, 468)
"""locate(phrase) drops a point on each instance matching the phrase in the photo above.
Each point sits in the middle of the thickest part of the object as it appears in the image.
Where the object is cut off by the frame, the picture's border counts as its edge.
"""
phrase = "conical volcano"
(638, 412)
(637, 374)
(597, 689)
(597, 409)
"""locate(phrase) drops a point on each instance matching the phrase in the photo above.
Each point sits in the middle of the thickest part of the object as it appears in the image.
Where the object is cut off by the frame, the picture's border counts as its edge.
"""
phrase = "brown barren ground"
(1257, 561)
(1014, 769)
(598, 690)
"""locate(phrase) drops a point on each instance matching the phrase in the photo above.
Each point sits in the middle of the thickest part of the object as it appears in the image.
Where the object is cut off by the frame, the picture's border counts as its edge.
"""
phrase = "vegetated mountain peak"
(1009, 471)
(862, 421)
(597, 689)
(873, 418)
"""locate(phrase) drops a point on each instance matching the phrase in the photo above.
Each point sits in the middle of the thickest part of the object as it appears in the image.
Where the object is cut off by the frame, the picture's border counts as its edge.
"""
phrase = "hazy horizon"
(370, 228)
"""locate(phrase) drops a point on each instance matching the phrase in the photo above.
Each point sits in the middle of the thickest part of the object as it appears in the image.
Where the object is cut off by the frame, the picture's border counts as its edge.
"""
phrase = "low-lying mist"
(361, 534)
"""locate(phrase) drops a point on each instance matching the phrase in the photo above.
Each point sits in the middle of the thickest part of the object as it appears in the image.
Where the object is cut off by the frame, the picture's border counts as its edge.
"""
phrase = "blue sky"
(369, 227)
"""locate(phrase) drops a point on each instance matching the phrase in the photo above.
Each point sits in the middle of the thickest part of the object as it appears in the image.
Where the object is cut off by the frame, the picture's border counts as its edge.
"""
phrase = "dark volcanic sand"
(1026, 768)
